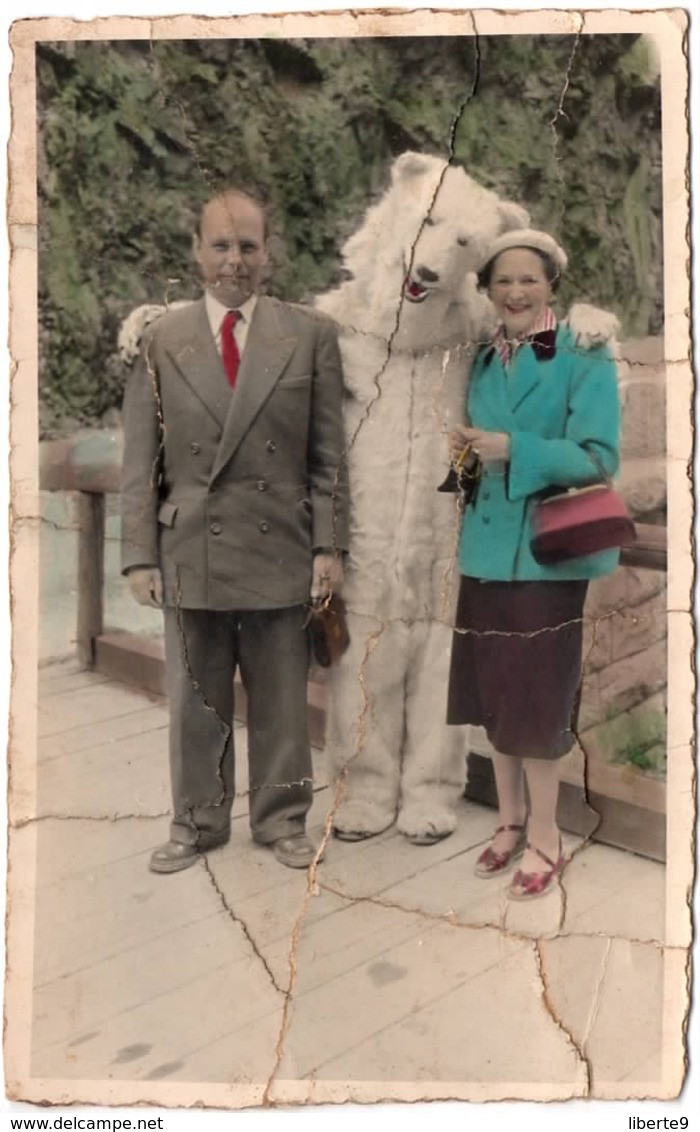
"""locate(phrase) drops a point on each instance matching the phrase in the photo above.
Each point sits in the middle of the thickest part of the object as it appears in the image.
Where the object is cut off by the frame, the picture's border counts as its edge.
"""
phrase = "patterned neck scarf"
(506, 347)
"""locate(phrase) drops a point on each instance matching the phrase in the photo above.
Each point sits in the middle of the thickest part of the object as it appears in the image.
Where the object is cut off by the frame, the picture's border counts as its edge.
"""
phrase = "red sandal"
(491, 864)
(527, 886)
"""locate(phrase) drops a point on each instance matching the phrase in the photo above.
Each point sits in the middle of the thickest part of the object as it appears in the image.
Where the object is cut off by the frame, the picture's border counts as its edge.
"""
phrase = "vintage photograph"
(351, 428)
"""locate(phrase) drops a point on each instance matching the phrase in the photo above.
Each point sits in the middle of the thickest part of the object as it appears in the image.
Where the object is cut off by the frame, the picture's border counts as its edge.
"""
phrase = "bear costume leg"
(366, 726)
(434, 762)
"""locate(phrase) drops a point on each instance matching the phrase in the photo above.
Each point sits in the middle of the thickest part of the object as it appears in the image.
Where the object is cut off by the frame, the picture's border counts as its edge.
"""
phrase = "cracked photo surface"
(351, 554)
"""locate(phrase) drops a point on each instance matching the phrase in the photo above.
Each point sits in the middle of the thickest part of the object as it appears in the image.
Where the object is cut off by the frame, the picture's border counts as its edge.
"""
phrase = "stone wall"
(623, 709)
(642, 381)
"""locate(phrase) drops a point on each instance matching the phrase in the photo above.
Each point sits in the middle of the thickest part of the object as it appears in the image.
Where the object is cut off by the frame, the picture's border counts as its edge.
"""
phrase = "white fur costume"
(409, 318)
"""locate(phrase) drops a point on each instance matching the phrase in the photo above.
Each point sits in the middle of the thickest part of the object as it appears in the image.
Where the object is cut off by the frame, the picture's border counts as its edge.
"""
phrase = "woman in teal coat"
(544, 414)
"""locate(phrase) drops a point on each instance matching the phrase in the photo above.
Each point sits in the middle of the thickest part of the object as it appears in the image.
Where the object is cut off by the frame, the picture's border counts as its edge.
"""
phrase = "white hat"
(526, 238)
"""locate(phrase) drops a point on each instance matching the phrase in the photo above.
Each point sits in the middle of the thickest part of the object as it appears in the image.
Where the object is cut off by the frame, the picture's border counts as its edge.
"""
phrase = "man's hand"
(146, 585)
(327, 576)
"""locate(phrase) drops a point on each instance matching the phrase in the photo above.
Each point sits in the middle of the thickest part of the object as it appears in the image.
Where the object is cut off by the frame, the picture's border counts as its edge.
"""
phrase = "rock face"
(623, 709)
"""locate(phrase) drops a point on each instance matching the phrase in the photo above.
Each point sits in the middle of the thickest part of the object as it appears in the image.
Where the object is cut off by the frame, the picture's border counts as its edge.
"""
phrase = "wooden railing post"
(649, 550)
(91, 520)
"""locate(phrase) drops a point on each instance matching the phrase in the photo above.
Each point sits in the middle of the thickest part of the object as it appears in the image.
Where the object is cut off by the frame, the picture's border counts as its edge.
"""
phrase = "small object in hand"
(464, 475)
(327, 625)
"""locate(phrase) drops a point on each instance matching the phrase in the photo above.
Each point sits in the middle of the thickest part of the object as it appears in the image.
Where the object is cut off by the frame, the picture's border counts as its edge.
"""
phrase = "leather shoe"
(173, 857)
(296, 851)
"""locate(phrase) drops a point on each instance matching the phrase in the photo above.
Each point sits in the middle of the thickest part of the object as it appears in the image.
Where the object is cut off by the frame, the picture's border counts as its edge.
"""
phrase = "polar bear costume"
(409, 319)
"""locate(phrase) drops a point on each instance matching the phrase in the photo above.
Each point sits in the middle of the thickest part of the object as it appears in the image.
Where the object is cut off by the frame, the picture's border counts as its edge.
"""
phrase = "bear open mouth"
(414, 291)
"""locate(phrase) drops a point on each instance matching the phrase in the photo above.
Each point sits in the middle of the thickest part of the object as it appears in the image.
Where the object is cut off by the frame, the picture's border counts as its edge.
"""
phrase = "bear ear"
(410, 165)
(512, 216)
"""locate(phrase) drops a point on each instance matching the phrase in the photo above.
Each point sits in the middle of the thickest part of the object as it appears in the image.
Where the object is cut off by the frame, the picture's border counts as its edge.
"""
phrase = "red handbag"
(580, 521)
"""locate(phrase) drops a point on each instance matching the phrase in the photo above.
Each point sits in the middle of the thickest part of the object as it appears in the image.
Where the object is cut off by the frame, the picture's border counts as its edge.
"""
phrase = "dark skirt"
(516, 664)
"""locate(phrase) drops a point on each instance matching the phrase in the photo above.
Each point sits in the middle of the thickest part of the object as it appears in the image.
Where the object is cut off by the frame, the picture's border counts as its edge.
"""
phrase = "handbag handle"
(594, 460)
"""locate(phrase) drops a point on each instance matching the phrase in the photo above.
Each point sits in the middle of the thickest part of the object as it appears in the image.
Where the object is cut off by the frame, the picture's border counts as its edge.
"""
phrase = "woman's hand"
(489, 446)
(459, 441)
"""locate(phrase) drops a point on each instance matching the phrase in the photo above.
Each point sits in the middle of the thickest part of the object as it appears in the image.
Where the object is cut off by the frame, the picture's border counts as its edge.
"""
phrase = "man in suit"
(235, 516)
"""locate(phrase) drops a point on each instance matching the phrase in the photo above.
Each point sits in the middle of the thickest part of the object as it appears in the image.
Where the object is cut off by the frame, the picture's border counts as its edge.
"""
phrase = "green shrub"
(636, 738)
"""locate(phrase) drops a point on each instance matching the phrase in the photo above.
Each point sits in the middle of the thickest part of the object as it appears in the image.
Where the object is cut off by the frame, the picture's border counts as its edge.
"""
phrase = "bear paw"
(423, 825)
(355, 821)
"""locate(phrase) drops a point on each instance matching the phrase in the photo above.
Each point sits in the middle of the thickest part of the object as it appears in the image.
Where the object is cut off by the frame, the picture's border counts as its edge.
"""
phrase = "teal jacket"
(556, 401)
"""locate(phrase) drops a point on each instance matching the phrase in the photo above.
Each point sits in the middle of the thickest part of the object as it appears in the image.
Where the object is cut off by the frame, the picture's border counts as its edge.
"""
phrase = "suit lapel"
(267, 351)
(526, 372)
(193, 352)
(496, 397)
(523, 377)
(488, 395)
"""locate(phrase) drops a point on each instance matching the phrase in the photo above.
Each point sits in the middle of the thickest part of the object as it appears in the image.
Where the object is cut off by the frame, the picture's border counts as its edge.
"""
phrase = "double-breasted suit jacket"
(230, 493)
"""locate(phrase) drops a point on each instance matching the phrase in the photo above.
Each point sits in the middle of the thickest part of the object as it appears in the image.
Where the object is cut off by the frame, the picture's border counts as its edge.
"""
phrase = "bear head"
(450, 220)
(420, 242)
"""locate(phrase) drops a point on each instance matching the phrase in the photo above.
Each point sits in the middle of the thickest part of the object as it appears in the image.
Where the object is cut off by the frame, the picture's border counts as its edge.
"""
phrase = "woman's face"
(519, 290)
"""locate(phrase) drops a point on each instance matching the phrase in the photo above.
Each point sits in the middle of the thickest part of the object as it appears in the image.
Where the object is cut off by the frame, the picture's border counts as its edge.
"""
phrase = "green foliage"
(637, 738)
(649, 759)
(133, 137)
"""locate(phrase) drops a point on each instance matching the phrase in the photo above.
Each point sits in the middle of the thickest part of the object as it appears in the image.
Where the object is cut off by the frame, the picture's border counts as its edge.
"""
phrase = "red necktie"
(229, 347)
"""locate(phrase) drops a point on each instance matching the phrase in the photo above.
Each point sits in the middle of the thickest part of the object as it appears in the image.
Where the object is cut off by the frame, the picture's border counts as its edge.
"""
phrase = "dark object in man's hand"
(464, 475)
(327, 625)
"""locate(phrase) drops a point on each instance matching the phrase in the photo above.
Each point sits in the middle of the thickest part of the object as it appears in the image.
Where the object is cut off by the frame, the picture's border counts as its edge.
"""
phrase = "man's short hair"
(245, 194)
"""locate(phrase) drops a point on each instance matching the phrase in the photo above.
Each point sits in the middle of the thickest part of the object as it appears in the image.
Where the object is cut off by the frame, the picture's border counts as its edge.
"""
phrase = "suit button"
(486, 495)
(271, 446)
(486, 519)
(264, 526)
(262, 485)
(195, 448)
(216, 528)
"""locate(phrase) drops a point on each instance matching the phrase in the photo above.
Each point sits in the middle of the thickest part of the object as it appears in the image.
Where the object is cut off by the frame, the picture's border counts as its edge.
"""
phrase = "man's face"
(230, 248)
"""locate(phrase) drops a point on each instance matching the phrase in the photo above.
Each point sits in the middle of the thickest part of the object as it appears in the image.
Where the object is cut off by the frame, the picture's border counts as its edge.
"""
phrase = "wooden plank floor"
(400, 965)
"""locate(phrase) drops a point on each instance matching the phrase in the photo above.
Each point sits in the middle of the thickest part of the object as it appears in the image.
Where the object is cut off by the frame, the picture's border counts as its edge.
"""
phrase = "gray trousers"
(202, 651)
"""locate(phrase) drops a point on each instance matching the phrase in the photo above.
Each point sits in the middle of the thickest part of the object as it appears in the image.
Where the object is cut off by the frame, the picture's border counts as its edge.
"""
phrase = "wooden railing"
(89, 465)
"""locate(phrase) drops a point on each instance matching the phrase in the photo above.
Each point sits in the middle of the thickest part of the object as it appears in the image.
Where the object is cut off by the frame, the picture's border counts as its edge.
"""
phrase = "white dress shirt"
(216, 312)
